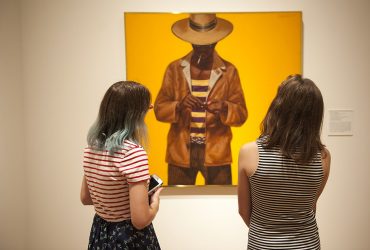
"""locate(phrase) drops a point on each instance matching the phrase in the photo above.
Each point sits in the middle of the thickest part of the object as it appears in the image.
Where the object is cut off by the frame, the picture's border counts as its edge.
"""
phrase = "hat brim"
(182, 30)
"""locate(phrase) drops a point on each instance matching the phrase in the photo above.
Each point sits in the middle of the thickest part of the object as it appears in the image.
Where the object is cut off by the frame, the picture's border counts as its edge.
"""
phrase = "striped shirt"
(108, 177)
(199, 89)
(283, 197)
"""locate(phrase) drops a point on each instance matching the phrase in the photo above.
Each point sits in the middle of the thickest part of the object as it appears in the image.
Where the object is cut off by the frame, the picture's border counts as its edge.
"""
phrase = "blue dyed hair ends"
(121, 117)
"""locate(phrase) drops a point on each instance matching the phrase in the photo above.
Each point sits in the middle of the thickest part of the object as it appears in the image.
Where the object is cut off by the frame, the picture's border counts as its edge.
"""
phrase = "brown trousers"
(215, 175)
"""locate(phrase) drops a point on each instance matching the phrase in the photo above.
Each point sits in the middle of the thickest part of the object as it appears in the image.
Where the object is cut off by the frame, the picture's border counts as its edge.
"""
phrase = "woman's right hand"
(154, 199)
(142, 213)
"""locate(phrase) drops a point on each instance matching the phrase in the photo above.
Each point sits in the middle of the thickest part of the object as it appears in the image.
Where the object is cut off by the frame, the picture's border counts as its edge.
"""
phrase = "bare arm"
(142, 213)
(247, 164)
(85, 194)
(326, 158)
(244, 198)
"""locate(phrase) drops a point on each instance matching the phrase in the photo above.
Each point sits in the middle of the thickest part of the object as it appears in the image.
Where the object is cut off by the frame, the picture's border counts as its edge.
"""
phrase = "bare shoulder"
(248, 157)
(325, 155)
(248, 145)
(248, 148)
(326, 159)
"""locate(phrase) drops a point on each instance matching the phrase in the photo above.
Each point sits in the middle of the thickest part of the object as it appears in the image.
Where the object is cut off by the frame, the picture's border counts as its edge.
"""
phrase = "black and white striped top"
(283, 197)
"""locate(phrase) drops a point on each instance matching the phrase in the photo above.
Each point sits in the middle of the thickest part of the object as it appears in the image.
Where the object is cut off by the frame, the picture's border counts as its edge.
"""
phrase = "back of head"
(294, 119)
(121, 116)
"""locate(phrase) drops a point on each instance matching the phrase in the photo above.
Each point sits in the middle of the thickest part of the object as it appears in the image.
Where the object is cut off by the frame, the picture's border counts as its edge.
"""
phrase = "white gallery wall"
(57, 58)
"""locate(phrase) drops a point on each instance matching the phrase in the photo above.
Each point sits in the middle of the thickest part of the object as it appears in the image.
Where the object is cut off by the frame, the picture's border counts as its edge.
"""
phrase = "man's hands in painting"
(189, 102)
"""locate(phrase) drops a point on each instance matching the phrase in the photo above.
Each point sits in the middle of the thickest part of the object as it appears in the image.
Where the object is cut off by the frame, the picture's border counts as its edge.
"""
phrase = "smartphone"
(154, 184)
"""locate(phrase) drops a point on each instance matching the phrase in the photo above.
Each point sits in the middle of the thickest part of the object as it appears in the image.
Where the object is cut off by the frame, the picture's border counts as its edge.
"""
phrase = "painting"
(212, 77)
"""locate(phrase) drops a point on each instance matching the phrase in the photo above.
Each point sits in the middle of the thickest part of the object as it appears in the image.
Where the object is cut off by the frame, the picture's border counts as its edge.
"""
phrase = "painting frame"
(265, 47)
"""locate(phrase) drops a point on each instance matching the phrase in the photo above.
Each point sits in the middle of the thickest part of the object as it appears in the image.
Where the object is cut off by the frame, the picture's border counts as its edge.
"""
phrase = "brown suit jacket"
(225, 86)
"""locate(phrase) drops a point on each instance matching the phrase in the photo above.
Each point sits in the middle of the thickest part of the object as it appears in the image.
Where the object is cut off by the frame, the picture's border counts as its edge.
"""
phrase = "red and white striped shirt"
(108, 177)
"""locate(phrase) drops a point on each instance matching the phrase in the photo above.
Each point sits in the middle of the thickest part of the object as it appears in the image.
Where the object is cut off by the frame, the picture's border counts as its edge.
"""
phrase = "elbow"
(139, 223)
(140, 219)
(86, 200)
(245, 217)
(242, 214)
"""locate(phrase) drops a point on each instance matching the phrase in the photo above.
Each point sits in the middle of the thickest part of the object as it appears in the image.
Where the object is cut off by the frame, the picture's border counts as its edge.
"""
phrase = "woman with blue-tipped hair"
(116, 172)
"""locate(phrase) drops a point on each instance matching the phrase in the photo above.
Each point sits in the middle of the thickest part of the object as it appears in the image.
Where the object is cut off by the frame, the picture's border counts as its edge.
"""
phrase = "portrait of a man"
(212, 77)
(201, 97)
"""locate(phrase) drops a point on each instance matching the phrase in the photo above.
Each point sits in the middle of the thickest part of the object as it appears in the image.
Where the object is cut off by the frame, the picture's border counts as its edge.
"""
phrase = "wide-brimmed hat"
(202, 28)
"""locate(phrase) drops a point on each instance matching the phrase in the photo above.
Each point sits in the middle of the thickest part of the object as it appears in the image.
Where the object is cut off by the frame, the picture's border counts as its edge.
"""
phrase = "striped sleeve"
(134, 165)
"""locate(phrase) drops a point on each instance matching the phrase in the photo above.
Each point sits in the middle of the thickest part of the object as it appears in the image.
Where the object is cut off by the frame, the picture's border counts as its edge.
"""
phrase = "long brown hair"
(294, 119)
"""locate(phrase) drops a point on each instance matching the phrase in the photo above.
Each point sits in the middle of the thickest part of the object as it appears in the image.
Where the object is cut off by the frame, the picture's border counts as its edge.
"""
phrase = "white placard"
(340, 122)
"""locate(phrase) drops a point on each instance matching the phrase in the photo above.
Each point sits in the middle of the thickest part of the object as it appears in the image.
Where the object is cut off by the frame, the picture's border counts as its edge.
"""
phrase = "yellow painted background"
(264, 47)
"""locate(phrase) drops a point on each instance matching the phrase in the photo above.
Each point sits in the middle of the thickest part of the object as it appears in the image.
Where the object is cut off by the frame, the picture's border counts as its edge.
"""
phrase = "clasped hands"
(213, 106)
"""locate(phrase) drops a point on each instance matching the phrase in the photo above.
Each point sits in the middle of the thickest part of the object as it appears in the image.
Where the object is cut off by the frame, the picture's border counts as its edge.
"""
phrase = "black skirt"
(106, 235)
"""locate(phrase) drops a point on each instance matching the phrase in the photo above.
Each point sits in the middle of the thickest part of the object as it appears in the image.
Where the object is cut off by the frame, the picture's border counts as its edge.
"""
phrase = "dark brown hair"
(294, 119)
